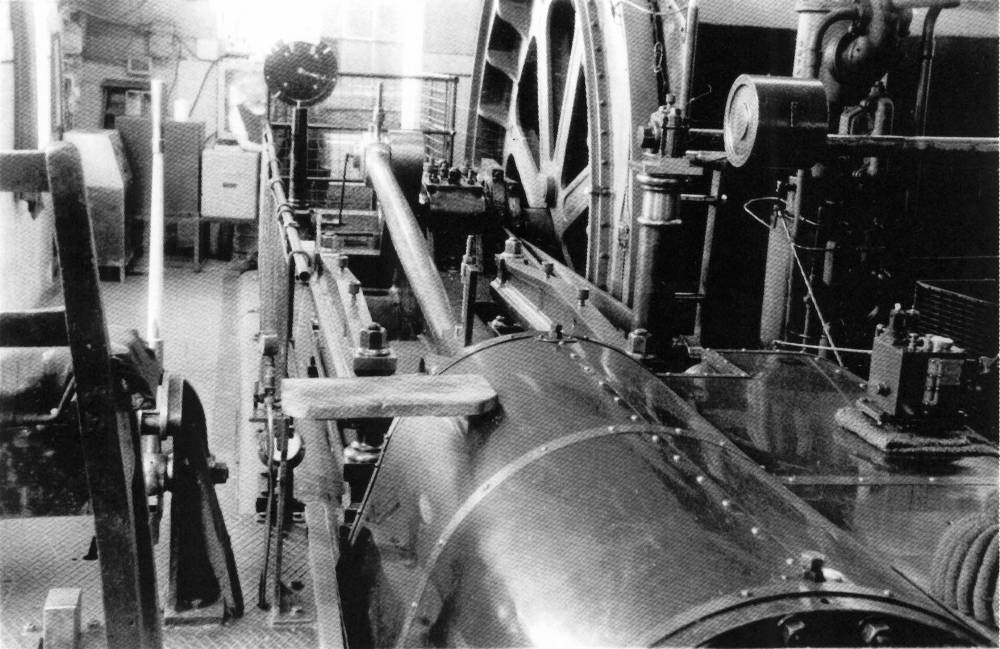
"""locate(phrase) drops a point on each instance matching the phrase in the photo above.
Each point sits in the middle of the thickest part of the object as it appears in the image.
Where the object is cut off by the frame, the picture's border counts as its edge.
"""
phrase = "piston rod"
(411, 247)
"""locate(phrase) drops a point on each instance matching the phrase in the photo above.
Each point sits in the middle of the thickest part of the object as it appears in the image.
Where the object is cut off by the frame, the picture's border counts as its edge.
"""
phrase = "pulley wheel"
(557, 88)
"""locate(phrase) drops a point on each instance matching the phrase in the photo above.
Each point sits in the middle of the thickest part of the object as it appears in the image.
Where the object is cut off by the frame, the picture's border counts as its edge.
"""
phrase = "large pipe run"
(411, 247)
(285, 215)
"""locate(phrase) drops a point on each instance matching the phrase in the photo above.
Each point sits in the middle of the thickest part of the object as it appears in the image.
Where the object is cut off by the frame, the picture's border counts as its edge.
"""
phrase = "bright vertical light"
(254, 26)
(412, 16)
(43, 70)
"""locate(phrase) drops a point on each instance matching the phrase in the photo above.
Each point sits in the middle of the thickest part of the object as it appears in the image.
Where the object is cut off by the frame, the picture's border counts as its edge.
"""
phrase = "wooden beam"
(323, 557)
(405, 395)
(34, 328)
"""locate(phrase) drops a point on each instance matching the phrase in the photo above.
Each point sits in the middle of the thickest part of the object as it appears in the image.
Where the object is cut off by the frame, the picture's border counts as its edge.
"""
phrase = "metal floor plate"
(37, 554)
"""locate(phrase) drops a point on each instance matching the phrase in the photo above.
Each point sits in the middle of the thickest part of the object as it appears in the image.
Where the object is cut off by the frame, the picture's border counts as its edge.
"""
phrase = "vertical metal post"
(706, 251)
(154, 305)
(298, 165)
(470, 285)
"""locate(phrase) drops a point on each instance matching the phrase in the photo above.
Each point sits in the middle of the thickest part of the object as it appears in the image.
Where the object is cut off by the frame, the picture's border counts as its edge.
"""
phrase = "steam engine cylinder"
(596, 507)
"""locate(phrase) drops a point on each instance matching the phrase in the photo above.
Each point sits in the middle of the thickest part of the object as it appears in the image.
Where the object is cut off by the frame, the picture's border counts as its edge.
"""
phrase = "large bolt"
(581, 296)
(548, 268)
(637, 340)
(512, 246)
(342, 261)
(353, 289)
(812, 566)
(373, 340)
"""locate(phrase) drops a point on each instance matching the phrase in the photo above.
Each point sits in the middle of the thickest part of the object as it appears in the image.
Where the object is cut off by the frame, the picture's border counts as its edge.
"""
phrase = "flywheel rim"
(613, 53)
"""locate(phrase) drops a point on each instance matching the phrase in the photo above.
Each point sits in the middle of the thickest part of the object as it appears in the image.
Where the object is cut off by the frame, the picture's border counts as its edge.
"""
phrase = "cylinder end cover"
(775, 121)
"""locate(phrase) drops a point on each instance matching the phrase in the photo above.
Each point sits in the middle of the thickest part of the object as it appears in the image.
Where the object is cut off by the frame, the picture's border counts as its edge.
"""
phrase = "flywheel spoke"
(568, 97)
(575, 200)
(518, 148)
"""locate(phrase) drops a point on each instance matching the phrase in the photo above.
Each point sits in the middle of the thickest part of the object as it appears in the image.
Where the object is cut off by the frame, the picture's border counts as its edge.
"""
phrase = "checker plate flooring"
(41, 553)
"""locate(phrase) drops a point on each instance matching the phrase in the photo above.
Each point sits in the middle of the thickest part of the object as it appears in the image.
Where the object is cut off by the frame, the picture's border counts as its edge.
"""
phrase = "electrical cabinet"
(107, 176)
(229, 178)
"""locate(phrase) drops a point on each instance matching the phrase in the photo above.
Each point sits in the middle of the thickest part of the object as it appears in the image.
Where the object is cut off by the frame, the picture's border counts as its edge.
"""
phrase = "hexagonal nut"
(512, 246)
(637, 340)
(373, 339)
(219, 472)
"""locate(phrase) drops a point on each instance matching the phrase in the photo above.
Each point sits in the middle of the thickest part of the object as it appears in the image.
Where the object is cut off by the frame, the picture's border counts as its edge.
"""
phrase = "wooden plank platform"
(407, 395)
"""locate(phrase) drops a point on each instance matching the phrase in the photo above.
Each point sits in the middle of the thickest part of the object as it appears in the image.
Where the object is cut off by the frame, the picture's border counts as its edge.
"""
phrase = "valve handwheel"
(301, 73)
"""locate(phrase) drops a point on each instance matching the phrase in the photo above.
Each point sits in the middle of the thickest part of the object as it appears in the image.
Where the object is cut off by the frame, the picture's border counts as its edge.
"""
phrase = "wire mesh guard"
(965, 310)
(427, 103)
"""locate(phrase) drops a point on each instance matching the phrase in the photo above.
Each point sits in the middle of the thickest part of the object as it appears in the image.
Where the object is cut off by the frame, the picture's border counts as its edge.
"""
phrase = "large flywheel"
(558, 90)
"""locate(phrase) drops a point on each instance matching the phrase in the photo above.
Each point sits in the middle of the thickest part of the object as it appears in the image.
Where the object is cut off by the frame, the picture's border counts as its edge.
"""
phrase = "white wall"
(26, 260)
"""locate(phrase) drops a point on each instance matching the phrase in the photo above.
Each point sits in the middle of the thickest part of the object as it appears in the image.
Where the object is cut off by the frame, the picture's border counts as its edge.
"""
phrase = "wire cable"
(641, 9)
(762, 199)
(812, 296)
(846, 350)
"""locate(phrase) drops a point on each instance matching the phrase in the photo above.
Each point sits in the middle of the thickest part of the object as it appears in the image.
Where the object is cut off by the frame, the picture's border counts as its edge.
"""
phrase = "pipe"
(298, 162)
(882, 144)
(690, 45)
(922, 4)
(660, 209)
(411, 247)
(285, 215)
(927, 46)
(817, 44)
(154, 297)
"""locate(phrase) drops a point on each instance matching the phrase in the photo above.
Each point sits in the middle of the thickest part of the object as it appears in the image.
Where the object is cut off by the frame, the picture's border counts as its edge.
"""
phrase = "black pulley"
(775, 121)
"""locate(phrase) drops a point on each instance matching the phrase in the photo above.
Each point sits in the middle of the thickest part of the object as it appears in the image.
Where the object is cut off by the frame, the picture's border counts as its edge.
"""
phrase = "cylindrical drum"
(775, 121)
(595, 507)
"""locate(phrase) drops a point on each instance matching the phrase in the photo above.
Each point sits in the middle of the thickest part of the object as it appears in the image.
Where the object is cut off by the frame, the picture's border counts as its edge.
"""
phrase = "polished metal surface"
(780, 410)
(775, 121)
(411, 247)
(584, 512)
